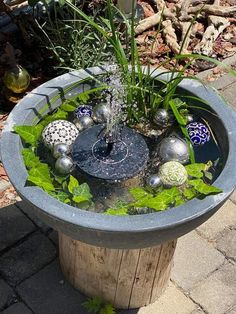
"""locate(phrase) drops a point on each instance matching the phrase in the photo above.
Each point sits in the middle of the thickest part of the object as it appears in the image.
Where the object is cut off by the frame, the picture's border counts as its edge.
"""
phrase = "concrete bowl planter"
(111, 251)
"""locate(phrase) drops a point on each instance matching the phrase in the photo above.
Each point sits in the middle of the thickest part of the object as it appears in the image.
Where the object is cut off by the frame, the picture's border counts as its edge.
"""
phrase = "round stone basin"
(127, 232)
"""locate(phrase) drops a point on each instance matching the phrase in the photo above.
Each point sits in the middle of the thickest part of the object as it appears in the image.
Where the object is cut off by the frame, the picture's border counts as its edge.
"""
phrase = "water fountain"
(107, 252)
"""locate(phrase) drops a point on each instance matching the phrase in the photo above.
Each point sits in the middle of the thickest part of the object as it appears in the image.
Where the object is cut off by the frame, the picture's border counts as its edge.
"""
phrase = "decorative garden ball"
(173, 148)
(83, 122)
(61, 149)
(64, 165)
(162, 118)
(59, 131)
(101, 113)
(83, 110)
(172, 173)
(154, 181)
(189, 118)
(198, 132)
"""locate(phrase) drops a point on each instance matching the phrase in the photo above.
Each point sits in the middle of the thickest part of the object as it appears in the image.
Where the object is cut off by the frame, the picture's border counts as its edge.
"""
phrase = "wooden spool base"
(125, 278)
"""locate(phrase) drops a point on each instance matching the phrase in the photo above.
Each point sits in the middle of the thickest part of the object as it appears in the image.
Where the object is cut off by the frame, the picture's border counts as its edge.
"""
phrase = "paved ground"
(203, 278)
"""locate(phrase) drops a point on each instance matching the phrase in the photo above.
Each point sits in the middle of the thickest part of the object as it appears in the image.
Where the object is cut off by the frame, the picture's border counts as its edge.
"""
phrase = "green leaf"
(179, 201)
(189, 193)
(61, 196)
(83, 97)
(181, 121)
(161, 201)
(157, 203)
(195, 170)
(61, 3)
(30, 159)
(122, 211)
(138, 193)
(208, 175)
(69, 106)
(107, 309)
(81, 193)
(32, 3)
(204, 188)
(93, 305)
(58, 115)
(30, 134)
(41, 177)
(73, 184)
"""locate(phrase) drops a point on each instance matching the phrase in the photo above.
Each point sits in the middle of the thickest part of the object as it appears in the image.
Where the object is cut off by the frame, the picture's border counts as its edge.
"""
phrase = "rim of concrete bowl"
(127, 232)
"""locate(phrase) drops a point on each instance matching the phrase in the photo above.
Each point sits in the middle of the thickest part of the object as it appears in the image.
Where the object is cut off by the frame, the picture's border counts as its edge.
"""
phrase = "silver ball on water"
(101, 113)
(173, 148)
(154, 181)
(83, 122)
(61, 149)
(189, 118)
(162, 117)
(64, 165)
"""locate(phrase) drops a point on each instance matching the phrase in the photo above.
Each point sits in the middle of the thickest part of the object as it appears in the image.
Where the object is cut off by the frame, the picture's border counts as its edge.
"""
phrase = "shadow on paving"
(48, 292)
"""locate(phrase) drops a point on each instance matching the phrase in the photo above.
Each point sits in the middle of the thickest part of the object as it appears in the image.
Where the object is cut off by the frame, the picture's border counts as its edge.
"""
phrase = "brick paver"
(47, 292)
(217, 293)
(7, 295)
(227, 244)
(17, 308)
(27, 258)
(194, 260)
(179, 304)
(10, 231)
(214, 227)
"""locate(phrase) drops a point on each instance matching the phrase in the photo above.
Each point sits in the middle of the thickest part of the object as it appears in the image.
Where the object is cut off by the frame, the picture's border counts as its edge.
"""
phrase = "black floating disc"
(122, 160)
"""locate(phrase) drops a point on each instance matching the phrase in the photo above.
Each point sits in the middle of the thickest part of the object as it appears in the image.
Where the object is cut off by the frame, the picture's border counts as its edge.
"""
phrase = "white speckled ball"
(173, 173)
(59, 131)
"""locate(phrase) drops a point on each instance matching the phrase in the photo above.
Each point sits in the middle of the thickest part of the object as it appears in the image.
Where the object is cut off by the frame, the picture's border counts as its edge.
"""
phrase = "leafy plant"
(164, 198)
(97, 306)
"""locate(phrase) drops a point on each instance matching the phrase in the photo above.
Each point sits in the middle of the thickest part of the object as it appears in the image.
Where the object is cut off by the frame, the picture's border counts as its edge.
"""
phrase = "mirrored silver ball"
(189, 118)
(64, 165)
(173, 148)
(163, 118)
(61, 149)
(154, 181)
(101, 112)
(83, 122)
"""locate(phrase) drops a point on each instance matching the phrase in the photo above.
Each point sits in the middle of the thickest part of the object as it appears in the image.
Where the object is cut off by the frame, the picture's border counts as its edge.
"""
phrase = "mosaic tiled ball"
(83, 110)
(59, 131)
(198, 133)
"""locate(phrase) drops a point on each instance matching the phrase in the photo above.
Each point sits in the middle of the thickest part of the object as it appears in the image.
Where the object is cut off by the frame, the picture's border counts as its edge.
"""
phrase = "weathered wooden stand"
(125, 278)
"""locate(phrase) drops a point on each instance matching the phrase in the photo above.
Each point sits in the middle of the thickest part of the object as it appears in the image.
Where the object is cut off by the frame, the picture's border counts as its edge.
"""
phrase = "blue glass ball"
(83, 110)
(199, 133)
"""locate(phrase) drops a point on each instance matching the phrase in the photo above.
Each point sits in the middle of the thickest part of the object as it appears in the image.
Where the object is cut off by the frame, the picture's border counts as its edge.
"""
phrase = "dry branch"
(213, 10)
(215, 28)
(148, 23)
(170, 36)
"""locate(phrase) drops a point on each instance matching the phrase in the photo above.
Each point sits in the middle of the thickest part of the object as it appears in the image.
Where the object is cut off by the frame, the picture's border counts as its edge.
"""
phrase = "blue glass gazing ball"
(198, 133)
(83, 110)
